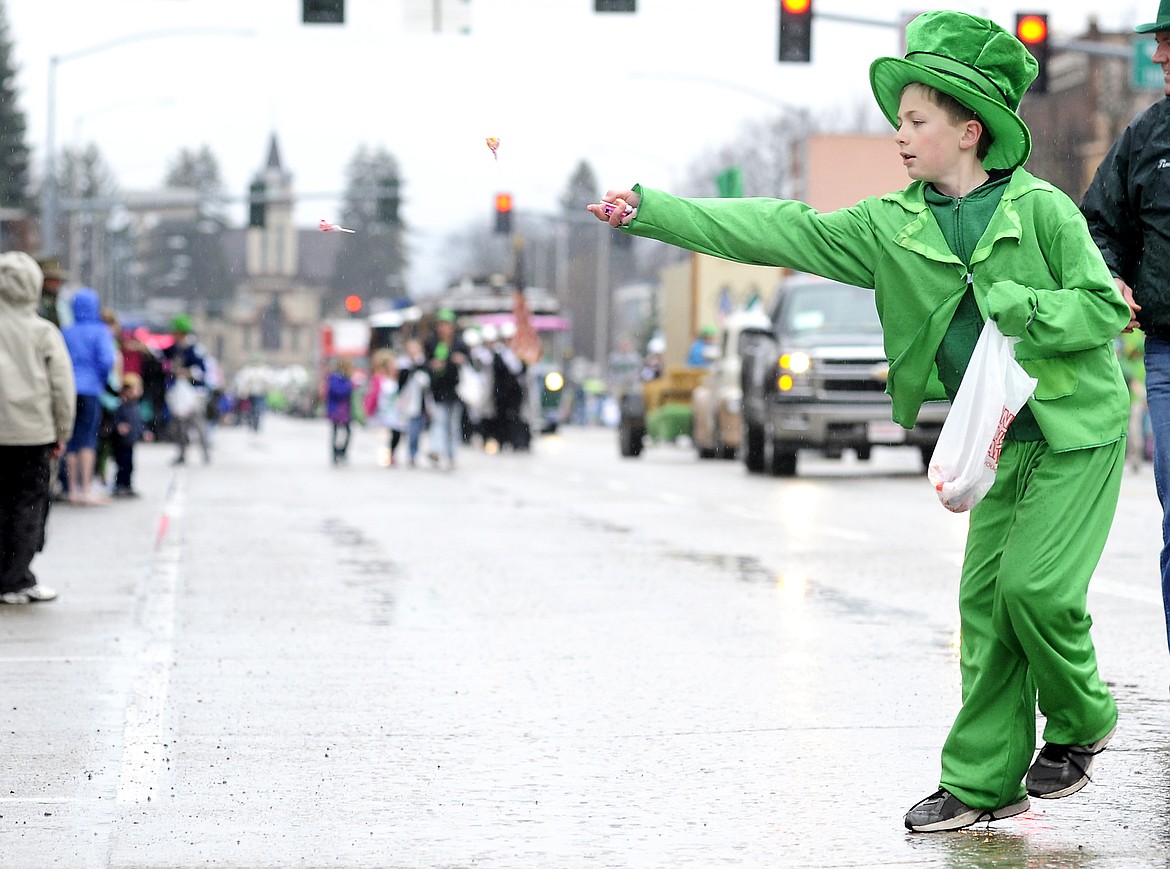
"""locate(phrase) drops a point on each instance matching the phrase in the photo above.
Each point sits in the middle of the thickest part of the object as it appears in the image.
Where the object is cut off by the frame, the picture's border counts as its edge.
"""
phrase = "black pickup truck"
(819, 382)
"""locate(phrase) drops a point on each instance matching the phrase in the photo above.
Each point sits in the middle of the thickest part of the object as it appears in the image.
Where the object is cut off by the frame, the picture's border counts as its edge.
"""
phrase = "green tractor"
(660, 410)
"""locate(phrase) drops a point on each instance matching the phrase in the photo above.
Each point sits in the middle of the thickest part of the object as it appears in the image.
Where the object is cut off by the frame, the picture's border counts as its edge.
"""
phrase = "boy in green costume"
(975, 236)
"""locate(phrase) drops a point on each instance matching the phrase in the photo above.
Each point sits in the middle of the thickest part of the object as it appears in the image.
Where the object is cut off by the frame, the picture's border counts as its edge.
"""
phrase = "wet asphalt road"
(562, 659)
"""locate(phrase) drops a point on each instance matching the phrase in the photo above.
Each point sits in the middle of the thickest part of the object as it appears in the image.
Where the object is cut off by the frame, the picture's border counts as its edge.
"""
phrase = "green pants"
(1032, 546)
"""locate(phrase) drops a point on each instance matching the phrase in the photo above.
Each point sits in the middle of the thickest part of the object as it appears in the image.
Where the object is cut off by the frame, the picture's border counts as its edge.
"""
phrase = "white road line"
(58, 659)
(143, 734)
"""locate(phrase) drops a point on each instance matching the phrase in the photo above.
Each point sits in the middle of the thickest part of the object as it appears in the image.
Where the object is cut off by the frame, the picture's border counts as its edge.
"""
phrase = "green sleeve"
(1085, 309)
(841, 245)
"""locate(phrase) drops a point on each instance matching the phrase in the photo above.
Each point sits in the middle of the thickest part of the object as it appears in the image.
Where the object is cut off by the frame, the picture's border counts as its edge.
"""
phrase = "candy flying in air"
(326, 226)
(494, 144)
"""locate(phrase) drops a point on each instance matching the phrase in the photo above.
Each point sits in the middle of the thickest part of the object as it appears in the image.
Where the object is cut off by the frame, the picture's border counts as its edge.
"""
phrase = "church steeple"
(271, 248)
(273, 155)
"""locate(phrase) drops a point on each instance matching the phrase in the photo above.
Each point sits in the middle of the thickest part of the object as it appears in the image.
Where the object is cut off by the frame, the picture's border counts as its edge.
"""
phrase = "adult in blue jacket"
(91, 348)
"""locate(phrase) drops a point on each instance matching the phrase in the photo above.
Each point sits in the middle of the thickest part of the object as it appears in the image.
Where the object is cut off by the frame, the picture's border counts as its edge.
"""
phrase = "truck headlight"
(553, 381)
(797, 363)
(791, 366)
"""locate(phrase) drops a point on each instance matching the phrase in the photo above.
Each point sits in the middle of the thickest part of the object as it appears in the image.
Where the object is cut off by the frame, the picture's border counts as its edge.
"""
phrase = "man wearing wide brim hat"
(975, 237)
(1161, 23)
(1126, 208)
(54, 277)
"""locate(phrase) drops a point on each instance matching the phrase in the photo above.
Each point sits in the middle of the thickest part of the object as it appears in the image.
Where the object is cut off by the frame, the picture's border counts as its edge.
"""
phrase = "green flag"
(729, 183)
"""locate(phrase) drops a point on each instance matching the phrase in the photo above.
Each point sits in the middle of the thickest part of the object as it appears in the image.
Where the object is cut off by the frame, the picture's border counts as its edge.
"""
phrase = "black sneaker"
(1061, 770)
(942, 810)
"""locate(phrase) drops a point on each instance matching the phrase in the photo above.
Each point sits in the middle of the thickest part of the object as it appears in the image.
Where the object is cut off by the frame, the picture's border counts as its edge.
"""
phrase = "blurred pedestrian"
(49, 301)
(187, 390)
(37, 407)
(91, 347)
(446, 354)
(1130, 347)
(511, 429)
(703, 351)
(129, 428)
(415, 384)
(382, 399)
(339, 397)
(625, 363)
(975, 236)
(110, 399)
(251, 386)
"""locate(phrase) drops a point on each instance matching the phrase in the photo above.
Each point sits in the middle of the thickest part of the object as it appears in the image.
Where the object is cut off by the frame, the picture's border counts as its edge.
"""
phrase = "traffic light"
(353, 304)
(795, 31)
(1032, 30)
(322, 11)
(614, 5)
(503, 213)
(388, 201)
(257, 206)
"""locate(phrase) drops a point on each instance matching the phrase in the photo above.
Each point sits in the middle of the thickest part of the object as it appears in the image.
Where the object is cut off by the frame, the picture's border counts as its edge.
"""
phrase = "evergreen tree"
(198, 170)
(372, 262)
(185, 257)
(13, 150)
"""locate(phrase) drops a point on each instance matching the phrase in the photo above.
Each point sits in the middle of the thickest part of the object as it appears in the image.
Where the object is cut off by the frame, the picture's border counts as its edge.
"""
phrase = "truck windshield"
(829, 308)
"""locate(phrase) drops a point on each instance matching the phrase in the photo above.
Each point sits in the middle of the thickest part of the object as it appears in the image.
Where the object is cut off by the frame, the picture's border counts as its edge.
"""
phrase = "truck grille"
(833, 378)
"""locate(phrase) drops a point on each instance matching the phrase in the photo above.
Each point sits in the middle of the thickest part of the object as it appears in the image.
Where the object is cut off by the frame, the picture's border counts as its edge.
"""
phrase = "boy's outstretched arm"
(839, 245)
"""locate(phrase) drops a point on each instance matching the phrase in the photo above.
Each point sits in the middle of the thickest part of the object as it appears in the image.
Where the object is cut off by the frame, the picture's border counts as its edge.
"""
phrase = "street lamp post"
(49, 184)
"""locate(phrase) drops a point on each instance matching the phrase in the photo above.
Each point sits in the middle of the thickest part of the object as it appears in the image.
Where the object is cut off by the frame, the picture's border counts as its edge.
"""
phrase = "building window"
(271, 326)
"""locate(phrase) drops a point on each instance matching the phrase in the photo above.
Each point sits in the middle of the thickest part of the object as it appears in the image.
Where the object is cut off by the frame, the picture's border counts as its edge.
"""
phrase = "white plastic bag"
(183, 399)
(471, 388)
(993, 390)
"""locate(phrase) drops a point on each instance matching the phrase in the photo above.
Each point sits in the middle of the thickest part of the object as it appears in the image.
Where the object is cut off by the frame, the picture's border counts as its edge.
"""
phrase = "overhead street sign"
(1147, 75)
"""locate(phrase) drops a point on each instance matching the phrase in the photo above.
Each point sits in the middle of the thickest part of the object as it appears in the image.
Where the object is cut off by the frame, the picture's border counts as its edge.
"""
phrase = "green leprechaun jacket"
(1035, 271)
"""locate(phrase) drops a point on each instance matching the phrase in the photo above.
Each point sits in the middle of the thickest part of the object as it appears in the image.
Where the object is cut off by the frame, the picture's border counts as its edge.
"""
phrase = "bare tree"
(87, 185)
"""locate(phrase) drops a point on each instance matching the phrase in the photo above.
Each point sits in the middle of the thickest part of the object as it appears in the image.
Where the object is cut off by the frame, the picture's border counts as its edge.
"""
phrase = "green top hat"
(1163, 22)
(973, 60)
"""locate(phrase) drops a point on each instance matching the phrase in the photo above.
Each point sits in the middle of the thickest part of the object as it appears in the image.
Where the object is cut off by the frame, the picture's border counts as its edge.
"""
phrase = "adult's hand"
(1134, 307)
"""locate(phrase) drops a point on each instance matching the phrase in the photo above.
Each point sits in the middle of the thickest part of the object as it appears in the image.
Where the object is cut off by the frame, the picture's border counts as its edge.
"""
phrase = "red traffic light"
(503, 202)
(795, 31)
(353, 303)
(1032, 29)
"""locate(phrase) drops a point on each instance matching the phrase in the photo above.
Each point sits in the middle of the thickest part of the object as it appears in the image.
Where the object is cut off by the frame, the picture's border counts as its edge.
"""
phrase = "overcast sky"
(638, 96)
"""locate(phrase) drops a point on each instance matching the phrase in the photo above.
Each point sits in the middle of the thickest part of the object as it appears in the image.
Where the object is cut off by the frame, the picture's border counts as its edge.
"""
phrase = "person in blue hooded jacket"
(91, 349)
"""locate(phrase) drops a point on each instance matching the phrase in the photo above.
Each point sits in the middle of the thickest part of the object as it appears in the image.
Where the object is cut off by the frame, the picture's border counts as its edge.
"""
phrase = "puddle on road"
(364, 569)
(797, 586)
(603, 525)
(746, 568)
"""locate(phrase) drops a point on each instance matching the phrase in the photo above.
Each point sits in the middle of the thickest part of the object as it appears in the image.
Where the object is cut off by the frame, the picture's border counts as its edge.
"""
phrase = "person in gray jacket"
(37, 405)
